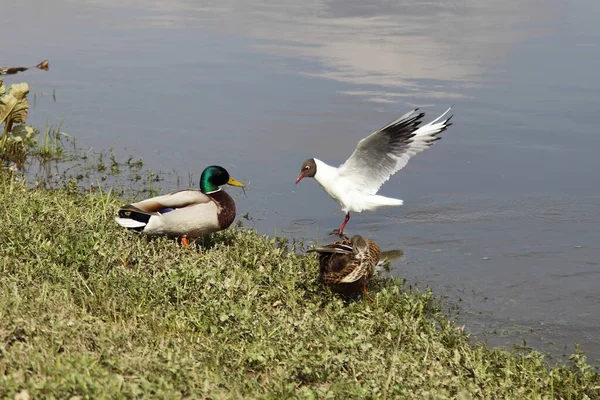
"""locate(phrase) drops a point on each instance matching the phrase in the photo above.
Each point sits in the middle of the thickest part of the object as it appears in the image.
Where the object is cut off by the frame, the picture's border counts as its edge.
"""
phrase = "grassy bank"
(88, 309)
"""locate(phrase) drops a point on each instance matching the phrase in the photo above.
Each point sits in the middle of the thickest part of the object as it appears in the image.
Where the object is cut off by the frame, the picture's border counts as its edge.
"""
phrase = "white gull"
(355, 183)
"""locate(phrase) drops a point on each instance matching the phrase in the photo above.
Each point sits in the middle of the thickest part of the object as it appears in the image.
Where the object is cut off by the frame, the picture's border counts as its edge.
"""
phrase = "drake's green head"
(214, 176)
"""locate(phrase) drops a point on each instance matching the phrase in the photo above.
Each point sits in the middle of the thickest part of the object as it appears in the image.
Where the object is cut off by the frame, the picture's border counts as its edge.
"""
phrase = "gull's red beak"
(299, 178)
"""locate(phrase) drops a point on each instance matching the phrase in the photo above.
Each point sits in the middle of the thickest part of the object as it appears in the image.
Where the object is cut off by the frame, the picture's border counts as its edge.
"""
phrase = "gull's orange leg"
(340, 231)
(364, 286)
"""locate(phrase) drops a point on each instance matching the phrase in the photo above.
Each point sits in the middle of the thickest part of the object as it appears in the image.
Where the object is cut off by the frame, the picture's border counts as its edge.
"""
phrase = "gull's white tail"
(373, 202)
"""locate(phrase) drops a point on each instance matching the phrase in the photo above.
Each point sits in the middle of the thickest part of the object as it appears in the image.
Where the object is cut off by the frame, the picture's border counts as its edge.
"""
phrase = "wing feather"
(356, 274)
(386, 151)
(180, 199)
(340, 248)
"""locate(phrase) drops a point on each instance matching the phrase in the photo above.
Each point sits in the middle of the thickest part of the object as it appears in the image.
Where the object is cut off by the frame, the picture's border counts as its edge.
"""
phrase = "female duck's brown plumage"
(347, 265)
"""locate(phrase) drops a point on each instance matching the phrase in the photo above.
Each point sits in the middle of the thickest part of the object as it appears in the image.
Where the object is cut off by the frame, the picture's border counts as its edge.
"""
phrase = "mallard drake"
(186, 214)
(347, 265)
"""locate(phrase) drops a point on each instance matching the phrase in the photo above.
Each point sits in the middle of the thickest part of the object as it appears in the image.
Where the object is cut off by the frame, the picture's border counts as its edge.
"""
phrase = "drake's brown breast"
(226, 206)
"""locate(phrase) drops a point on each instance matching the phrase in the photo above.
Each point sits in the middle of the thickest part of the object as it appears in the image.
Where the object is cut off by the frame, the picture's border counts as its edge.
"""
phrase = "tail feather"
(133, 218)
(376, 201)
(130, 223)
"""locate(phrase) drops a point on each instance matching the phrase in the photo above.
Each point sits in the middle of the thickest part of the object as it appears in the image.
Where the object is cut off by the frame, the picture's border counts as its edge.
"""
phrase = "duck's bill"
(233, 182)
(300, 177)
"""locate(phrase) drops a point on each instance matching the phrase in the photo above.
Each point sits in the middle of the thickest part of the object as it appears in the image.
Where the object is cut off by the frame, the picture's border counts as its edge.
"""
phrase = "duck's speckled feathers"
(348, 265)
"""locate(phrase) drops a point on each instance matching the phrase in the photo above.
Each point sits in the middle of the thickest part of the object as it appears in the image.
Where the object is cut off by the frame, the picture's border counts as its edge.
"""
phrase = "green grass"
(88, 309)
(52, 148)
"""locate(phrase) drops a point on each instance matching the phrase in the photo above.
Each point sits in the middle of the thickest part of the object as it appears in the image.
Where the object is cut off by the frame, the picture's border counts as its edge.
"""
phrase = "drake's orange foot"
(185, 242)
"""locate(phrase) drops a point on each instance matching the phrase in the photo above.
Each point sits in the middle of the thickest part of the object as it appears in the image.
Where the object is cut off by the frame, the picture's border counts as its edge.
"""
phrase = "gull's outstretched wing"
(386, 151)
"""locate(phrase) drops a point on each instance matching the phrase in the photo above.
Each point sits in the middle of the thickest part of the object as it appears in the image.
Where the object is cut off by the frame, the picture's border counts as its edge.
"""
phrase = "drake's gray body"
(194, 214)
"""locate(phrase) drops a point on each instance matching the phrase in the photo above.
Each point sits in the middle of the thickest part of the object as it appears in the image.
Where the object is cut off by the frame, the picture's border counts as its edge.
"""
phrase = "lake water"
(502, 215)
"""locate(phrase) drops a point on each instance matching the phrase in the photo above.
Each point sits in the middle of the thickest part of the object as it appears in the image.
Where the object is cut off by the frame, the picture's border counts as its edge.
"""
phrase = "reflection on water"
(305, 221)
(502, 213)
(390, 45)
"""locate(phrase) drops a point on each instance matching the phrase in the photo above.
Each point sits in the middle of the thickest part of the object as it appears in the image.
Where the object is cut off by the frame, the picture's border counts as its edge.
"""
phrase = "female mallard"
(348, 265)
(187, 213)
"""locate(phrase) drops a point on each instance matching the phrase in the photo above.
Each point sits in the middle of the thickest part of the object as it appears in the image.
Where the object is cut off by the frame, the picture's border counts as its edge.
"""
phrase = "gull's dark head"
(308, 170)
